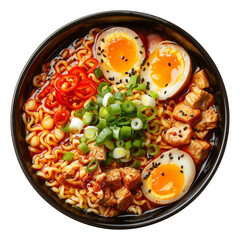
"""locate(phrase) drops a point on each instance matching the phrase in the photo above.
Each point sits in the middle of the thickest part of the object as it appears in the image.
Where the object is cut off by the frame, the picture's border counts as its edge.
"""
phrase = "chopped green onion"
(66, 127)
(67, 156)
(119, 152)
(128, 144)
(134, 79)
(87, 117)
(103, 112)
(138, 152)
(106, 162)
(109, 145)
(110, 154)
(114, 109)
(125, 132)
(120, 143)
(119, 96)
(131, 115)
(103, 136)
(135, 164)
(111, 120)
(102, 123)
(91, 106)
(123, 121)
(91, 168)
(137, 124)
(153, 94)
(138, 135)
(98, 72)
(116, 132)
(103, 88)
(153, 149)
(137, 143)
(152, 129)
(82, 139)
(140, 111)
(108, 99)
(83, 147)
(137, 102)
(80, 112)
(148, 100)
(90, 133)
(99, 99)
(141, 86)
(95, 120)
(128, 106)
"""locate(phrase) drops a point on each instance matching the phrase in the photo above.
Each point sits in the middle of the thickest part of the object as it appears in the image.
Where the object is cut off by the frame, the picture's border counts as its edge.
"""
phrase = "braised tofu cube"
(201, 134)
(199, 150)
(123, 197)
(200, 80)
(208, 121)
(198, 99)
(131, 177)
(109, 199)
(187, 114)
(179, 134)
(114, 179)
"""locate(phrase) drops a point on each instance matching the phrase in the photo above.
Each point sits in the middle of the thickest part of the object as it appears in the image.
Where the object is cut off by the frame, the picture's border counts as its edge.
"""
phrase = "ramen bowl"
(79, 28)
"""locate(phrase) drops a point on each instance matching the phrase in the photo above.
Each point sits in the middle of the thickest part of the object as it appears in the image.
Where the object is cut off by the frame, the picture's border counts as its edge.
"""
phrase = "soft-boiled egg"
(167, 70)
(120, 53)
(168, 177)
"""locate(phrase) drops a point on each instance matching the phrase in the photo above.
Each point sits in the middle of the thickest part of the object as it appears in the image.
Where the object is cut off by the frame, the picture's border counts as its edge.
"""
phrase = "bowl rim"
(18, 87)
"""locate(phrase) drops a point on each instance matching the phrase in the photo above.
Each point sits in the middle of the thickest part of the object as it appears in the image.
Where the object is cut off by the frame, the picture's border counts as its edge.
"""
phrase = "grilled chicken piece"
(98, 152)
(131, 177)
(179, 134)
(199, 150)
(200, 80)
(114, 179)
(123, 197)
(198, 98)
(187, 114)
(109, 199)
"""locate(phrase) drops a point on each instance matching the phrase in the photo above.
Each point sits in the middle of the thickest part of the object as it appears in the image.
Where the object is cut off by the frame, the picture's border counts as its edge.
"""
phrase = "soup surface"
(120, 121)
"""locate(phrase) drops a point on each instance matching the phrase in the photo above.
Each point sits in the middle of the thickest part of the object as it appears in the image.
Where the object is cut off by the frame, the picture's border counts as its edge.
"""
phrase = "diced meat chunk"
(187, 114)
(179, 134)
(114, 180)
(200, 80)
(123, 197)
(199, 150)
(208, 121)
(98, 152)
(109, 199)
(131, 177)
(198, 99)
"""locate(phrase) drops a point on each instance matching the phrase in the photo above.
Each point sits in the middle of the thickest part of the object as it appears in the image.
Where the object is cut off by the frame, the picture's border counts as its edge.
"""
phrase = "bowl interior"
(62, 38)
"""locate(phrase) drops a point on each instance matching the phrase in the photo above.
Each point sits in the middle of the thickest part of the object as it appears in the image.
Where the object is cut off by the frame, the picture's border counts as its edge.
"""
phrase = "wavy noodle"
(47, 148)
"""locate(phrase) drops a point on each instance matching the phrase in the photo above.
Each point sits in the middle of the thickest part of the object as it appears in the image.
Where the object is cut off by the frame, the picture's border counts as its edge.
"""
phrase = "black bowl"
(66, 35)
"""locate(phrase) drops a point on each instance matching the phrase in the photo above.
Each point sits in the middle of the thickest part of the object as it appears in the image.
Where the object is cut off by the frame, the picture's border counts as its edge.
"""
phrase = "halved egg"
(120, 53)
(167, 70)
(167, 178)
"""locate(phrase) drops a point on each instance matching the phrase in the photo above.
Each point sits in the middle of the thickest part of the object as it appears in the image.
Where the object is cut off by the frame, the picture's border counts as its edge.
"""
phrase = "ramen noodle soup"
(120, 121)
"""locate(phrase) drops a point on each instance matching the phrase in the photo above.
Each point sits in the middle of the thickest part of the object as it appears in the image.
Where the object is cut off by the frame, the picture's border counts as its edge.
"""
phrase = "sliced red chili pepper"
(67, 83)
(61, 117)
(89, 81)
(84, 91)
(74, 102)
(60, 97)
(45, 92)
(81, 72)
(93, 61)
(51, 101)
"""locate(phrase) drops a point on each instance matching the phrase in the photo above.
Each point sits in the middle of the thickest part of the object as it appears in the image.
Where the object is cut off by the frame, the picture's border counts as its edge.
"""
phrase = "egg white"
(179, 158)
(100, 54)
(173, 87)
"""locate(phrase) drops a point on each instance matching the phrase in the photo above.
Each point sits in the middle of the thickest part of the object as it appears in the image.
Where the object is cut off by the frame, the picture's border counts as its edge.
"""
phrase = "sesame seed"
(144, 69)
(169, 64)
(166, 85)
(162, 173)
(140, 52)
(117, 83)
(171, 158)
(185, 128)
(181, 171)
(99, 53)
(104, 55)
(165, 92)
(149, 190)
(126, 72)
(148, 64)
(170, 154)
(101, 60)
(99, 48)
(141, 183)
(181, 166)
(179, 157)
(179, 131)
(151, 168)
(191, 115)
(125, 60)
(179, 135)
(102, 40)
(183, 113)
(107, 71)
(182, 155)
(122, 57)
(162, 156)
(126, 80)
(102, 51)
(136, 37)
(120, 80)
(180, 111)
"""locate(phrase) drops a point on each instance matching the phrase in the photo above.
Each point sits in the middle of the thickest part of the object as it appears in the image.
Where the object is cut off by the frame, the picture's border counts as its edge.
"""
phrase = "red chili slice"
(61, 117)
(90, 81)
(61, 97)
(51, 101)
(81, 72)
(74, 102)
(84, 91)
(91, 60)
(45, 92)
(67, 83)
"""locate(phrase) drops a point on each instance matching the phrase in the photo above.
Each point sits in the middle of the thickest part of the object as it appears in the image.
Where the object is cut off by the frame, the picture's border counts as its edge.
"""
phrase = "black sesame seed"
(151, 168)
(101, 60)
(182, 155)
(181, 166)
(99, 53)
(104, 55)
(140, 52)
(102, 40)
(170, 154)
(125, 60)
(180, 111)
(171, 158)
(126, 72)
(99, 48)
(120, 80)
(185, 128)
(148, 64)
(122, 57)
(179, 135)
(166, 85)
(191, 115)
(142, 80)
(181, 171)
(165, 92)
(129, 74)
(179, 157)
(136, 37)
(126, 80)
(144, 69)
(158, 164)
(149, 190)
(179, 131)
(183, 113)
(169, 64)
(162, 156)
(107, 71)
(117, 83)
(141, 183)
(162, 173)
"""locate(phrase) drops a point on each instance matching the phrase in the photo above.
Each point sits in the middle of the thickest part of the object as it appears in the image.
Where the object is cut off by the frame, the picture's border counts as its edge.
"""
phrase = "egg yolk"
(122, 54)
(166, 67)
(166, 181)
